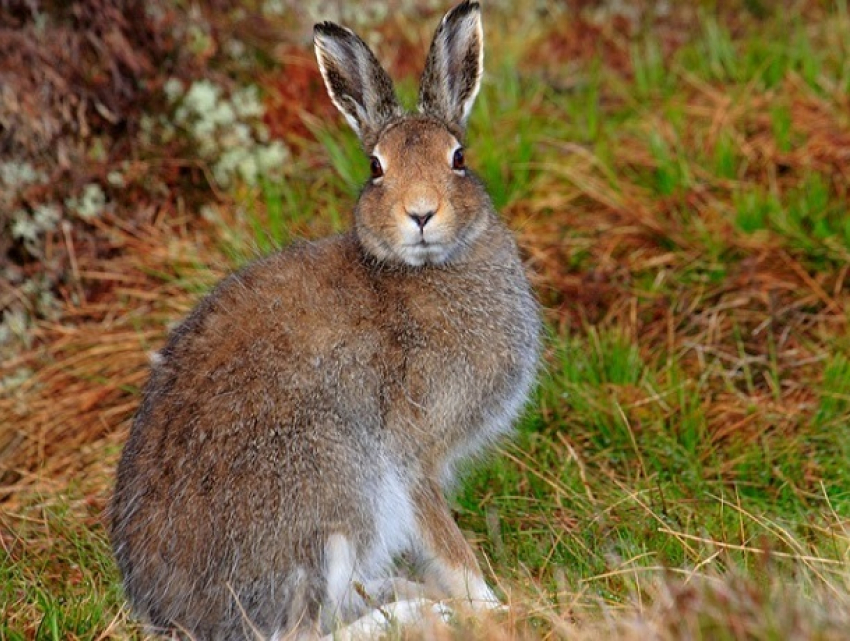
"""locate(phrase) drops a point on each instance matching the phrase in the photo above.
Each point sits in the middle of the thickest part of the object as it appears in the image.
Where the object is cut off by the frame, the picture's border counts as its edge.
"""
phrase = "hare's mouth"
(424, 253)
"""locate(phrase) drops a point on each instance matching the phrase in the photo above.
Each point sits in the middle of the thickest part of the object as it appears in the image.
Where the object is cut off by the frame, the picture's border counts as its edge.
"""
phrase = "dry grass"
(88, 366)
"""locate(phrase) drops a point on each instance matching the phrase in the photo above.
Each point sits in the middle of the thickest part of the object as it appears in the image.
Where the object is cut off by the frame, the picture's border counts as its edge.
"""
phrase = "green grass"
(685, 457)
(808, 216)
(616, 475)
(652, 79)
(504, 163)
(57, 577)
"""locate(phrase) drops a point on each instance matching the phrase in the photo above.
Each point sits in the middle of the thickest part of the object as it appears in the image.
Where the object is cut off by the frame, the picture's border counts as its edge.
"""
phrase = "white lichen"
(15, 327)
(226, 131)
(20, 174)
(24, 227)
(116, 179)
(273, 8)
(16, 176)
(235, 49)
(28, 228)
(271, 157)
(90, 204)
(247, 103)
(210, 213)
(46, 216)
(173, 89)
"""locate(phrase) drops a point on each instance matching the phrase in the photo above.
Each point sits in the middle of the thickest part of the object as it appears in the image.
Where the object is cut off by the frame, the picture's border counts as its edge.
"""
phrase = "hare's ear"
(454, 67)
(356, 82)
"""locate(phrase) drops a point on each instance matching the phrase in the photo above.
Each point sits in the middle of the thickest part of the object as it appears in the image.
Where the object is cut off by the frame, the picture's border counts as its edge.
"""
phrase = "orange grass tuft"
(89, 364)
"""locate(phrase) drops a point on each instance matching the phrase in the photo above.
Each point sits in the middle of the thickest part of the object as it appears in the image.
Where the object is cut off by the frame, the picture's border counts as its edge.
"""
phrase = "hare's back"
(280, 312)
(245, 409)
(266, 359)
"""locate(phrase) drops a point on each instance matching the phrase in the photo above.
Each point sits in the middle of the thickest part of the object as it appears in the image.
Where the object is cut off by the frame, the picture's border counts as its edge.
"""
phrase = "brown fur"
(282, 405)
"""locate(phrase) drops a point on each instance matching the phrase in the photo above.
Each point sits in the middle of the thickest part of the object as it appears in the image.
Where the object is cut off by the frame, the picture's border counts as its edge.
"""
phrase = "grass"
(58, 580)
(683, 470)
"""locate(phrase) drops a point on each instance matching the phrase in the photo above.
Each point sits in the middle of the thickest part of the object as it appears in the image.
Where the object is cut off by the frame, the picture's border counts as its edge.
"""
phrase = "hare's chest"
(467, 367)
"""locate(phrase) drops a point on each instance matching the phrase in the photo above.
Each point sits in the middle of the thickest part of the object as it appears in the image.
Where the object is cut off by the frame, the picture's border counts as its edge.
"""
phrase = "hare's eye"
(458, 160)
(375, 167)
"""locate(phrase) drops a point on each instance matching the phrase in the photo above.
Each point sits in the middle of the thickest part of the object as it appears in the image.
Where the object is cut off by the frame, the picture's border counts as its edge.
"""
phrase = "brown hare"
(301, 427)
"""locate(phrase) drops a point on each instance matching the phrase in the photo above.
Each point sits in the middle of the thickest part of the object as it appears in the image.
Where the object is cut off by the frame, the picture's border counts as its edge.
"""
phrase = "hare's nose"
(421, 219)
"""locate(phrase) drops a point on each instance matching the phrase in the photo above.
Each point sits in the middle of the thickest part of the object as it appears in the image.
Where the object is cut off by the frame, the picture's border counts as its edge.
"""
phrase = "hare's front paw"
(481, 597)
(393, 589)
(419, 612)
(464, 585)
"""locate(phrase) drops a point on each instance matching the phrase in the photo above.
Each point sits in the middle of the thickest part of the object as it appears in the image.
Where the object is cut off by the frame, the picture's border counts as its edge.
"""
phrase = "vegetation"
(678, 179)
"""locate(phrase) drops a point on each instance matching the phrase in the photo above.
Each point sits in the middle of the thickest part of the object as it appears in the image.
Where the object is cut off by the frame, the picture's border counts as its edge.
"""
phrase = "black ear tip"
(328, 29)
(464, 9)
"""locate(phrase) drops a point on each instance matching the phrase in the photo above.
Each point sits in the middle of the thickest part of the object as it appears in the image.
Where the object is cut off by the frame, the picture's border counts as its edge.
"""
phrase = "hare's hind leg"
(342, 602)
(447, 559)
(450, 566)
(382, 602)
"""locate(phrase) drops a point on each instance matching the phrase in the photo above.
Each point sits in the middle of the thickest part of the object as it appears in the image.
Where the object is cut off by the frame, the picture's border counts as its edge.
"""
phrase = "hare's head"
(421, 205)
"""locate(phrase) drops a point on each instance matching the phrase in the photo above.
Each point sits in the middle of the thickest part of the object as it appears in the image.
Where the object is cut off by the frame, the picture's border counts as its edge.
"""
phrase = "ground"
(677, 178)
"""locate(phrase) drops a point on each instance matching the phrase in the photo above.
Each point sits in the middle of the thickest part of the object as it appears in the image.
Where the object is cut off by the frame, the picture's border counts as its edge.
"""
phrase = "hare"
(301, 427)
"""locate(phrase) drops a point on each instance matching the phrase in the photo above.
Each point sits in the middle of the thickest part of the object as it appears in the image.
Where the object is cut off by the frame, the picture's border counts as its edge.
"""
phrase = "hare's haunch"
(301, 426)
